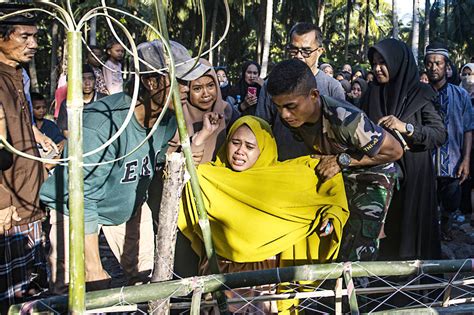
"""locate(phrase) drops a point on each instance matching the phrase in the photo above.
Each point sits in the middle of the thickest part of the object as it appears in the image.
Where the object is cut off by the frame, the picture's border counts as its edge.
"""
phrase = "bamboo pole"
(185, 144)
(76, 181)
(338, 293)
(218, 282)
(196, 302)
(347, 274)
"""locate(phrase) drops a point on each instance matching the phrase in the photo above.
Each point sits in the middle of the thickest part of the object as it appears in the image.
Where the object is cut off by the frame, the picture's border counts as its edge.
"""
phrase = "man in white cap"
(115, 193)
(452, 159)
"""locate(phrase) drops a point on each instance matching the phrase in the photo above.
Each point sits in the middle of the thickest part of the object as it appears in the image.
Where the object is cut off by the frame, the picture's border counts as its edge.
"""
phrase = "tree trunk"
(260, 31)
(416, 29)
(53, 79)
(213, 30)
(267, 38)
(348, 22)
(366, 37)
(321, 7)
(33, 76)
(93, 31)
(165, 239)
(395, 18)
(427, 23)
(446, 22)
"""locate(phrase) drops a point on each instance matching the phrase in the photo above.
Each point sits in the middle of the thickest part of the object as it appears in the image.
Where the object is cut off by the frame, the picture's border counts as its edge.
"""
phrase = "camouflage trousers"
(368, 194)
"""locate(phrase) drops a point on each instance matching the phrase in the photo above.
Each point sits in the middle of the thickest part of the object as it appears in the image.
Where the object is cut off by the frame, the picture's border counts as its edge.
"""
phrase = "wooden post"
(165, 239)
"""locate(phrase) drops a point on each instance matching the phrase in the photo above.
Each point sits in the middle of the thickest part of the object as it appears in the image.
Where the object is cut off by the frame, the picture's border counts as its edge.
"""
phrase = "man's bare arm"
(390, 151)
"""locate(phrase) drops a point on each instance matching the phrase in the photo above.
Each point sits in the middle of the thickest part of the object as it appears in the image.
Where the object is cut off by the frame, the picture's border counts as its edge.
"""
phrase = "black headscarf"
(363, 88)
(397, 97)
(241, 87)
(362, 71)
(363, 85)
(346, 85)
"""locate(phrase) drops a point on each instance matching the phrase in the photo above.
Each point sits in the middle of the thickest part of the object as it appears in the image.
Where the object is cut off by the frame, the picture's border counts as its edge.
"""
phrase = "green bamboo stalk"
(212, 283)
(76, 181)
(185, 144)
(196, 302)
(347, 274)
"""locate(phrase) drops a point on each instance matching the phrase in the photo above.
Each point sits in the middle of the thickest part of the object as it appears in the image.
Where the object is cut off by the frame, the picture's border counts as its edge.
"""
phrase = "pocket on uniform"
(371, 229)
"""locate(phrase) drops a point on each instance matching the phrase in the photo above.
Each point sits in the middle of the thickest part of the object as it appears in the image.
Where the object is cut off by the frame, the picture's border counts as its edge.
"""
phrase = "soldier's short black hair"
(302, 28)
(291, 77)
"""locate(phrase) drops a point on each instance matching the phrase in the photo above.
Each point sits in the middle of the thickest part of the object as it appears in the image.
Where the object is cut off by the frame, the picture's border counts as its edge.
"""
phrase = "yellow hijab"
(272, 208)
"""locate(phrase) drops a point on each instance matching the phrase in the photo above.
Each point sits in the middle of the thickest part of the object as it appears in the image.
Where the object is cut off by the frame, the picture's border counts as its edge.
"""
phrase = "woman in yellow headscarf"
(259, 207)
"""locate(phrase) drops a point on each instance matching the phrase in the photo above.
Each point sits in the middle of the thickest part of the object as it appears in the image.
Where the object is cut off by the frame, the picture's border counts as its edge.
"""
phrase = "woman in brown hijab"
(207, 116)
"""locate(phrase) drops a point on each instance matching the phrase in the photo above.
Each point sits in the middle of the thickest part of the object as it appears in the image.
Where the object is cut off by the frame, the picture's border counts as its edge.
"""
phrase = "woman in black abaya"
(398, 101)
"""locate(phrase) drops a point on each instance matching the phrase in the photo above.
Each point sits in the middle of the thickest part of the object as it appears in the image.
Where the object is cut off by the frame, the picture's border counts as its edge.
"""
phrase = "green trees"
(349, 27)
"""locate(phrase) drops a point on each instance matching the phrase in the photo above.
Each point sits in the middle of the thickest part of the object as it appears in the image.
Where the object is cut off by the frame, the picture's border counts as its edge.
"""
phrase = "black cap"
(25, 18)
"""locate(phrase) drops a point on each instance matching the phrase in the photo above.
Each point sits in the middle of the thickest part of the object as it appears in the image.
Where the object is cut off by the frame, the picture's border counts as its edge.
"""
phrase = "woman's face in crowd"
(347, 68)
(356, 90)
(203, 92)
(380, 69)
(329, 71)
(467, 76)
(424, 78)
(370, 77)
(251, 74)
(221, 76)
(242, 149)
(449, 71)
(357, 75)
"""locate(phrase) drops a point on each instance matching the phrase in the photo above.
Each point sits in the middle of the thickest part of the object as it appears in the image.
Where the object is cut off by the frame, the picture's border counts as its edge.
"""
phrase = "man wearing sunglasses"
(305, 44)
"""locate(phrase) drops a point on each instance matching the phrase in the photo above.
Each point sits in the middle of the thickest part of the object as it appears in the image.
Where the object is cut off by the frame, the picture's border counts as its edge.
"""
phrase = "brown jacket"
(19, 184)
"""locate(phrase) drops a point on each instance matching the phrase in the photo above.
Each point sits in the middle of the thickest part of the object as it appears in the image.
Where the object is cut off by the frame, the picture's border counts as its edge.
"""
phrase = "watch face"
(410, 128)
(344, 159)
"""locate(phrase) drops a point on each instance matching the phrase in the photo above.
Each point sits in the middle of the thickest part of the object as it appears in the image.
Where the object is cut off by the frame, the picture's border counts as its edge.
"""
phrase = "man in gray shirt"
(306, 45)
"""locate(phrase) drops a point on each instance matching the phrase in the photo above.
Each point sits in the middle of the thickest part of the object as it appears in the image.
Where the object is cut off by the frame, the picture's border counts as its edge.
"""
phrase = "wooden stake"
(165, 239)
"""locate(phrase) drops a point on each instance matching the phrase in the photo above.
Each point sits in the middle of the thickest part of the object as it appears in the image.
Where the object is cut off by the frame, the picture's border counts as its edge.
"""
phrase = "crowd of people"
(308, 165)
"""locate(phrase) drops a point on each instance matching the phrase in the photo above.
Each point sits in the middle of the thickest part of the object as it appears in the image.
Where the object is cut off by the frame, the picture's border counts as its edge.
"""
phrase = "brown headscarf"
(194, 120)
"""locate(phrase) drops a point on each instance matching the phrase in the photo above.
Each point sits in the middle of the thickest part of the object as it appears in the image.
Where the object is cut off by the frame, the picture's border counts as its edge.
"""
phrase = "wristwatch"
(344, 160)
(410, 129)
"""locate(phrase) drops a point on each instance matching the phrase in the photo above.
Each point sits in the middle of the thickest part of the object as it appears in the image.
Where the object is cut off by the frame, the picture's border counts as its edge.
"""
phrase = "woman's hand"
(327, 227)
(210, 123)
(393, 123)
(249, 101)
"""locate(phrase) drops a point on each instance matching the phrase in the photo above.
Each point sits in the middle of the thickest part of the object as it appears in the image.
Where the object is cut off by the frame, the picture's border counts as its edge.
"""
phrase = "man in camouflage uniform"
(346, 140)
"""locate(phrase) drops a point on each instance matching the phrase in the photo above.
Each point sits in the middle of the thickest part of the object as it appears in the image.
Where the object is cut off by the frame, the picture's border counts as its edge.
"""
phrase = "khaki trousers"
(132, 243)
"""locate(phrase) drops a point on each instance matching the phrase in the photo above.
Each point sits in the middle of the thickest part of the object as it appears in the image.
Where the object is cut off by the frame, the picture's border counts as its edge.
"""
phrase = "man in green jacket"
(116, 190)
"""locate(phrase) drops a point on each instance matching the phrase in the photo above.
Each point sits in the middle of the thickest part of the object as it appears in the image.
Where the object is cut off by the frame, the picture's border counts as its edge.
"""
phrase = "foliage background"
(244, 40)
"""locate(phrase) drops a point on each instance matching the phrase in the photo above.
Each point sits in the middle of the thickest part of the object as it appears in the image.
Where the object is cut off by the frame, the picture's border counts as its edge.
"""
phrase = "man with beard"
(453, 158)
